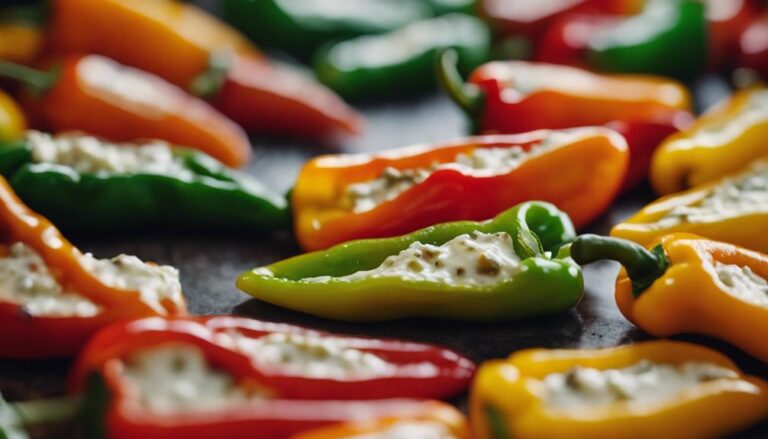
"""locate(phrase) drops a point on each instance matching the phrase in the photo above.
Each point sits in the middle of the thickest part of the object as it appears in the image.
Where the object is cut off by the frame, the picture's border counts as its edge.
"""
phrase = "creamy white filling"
(645, 382)
(367, 195)
(88, 154)
(743, 283)
(374, 11)
(476, 259)
(170, 379)
(310, 356)
(410, 430)
(155, 283)
(737, 196)
(754, 111)
(26, 280)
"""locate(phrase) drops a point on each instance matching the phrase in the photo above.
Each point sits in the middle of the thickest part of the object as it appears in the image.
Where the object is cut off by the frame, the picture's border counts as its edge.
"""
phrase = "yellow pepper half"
(511, 398)
(728, 210)
(720, 142)
(12, 122)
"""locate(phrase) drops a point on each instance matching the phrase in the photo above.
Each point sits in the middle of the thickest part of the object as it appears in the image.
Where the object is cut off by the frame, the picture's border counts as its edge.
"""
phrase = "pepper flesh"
(254, 93)
(506, 398)
(596, 158)
(544, 286)
(25, 336)
(722, 141)
(205, 193)
(683, 293)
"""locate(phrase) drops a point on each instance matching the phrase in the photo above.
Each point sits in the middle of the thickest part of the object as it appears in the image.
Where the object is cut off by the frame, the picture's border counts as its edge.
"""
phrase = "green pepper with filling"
(401, 61)
(546, 281)
(668, 37)
(198, 192)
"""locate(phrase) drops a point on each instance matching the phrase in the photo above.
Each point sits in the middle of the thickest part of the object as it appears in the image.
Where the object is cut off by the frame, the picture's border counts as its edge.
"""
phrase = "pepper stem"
(14, 417)
(38, 80)
(467, 96)
(643, 266)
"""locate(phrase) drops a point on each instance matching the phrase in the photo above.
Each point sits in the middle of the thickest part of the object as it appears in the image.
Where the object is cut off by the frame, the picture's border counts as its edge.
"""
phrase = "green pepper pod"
(441, 7)
(669, 37)
(544, 284)
(301, 26)
(401, 61)
(206, 194)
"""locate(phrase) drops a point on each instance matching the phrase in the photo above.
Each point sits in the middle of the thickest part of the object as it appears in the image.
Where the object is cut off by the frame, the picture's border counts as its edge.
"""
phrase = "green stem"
(39, 81)
(643, 266)
(467, 96)
(48, 411)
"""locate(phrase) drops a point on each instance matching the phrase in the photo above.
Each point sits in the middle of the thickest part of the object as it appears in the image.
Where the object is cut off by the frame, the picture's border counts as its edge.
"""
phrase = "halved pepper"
(579, 170)
(689, 284)
(176, 187)
(209, 58)
(722, 141)
(752, 47)
(522, 396)
(733, 209)
(728, 19)
(94, 94)
(106, 295)
(316, 283)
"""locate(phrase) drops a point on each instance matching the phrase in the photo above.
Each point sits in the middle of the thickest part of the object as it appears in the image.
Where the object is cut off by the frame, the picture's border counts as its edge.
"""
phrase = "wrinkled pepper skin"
(505, 401)
(752, 50)
(596, 166)
(211, 195)
(675, 290)
(668, 37)
(721, 142)
(25, 336)
(12, 120)
(401, 61)
(254, 93)
(742, 229)
(301, 27)
(96, 95)
(546, 285)
(440, 414)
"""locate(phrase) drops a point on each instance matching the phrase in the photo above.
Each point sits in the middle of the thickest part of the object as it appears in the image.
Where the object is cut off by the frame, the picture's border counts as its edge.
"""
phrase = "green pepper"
(669, 37)
(205, 194)
(545, 284)
(401, 61)
(301, 26)
(440, 7)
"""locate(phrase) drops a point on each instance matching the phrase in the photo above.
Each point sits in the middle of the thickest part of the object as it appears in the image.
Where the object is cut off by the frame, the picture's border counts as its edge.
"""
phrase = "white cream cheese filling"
(645, 382)
(86, 154)
(754, 111)
(410, 430)
(26, 280)
(743, 283)
(171, 379)
(469, 259)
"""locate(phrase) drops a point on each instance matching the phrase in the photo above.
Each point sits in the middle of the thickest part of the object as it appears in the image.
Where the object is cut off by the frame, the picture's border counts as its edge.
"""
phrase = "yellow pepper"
(725, 210)
(721, 142)
(12, 122)
(20, 42)
(513, 398)
(688, 285)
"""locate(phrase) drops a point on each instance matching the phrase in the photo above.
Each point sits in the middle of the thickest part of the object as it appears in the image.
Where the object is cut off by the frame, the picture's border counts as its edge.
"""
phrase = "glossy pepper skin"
(596, 165)
(739, 228)
(728, 19)
(97, 95)
(506, 400)
(401, 61)
(208, 56)
(547, 285)
(721, 142)
(26, 336)
(752, 52)
(206, 194)
(674, 289)
(648, 42)
(12, 120)
(441, 415)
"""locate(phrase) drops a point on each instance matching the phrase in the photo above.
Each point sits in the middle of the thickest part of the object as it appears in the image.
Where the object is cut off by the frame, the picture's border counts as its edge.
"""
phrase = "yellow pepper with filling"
(12, 122)
(720, 142)
(513, 398)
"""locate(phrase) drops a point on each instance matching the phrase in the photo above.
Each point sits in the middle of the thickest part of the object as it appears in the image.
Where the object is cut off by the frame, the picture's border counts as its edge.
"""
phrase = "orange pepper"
(20, 42)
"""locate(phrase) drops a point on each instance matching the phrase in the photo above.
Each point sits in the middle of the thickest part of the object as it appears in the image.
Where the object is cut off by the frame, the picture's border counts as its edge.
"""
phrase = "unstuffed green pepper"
(82, 182)
(401, 61)
(500, 269)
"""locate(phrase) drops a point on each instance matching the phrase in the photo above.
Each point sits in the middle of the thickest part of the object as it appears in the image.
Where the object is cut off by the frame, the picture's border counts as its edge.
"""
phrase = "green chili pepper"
(544, 285)
(301, 26)
(401, 61)
(669, 37)
(204, 194)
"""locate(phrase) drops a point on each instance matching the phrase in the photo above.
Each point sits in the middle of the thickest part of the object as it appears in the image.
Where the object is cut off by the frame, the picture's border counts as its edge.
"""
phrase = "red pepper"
(727, 21)
(94, 94)
(752, 50)
(566, 41)
(23, 335)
